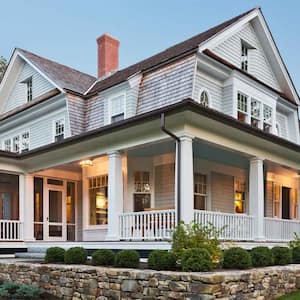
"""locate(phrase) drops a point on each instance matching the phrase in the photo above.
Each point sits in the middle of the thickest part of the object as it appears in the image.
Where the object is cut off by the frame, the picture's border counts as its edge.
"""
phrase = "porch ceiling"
(152, 149)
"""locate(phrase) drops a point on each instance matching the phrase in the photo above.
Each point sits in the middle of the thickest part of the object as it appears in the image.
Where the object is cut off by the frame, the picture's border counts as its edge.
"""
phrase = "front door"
(55, 214)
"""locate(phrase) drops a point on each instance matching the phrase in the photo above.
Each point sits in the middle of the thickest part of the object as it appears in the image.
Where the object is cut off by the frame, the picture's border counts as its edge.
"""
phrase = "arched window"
(204, 98)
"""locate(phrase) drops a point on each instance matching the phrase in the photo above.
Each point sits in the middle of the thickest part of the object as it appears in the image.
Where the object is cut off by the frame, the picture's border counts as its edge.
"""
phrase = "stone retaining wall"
(87, 282)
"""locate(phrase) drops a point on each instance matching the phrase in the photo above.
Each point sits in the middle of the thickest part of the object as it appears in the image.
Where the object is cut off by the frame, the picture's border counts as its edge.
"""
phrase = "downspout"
(178, 160)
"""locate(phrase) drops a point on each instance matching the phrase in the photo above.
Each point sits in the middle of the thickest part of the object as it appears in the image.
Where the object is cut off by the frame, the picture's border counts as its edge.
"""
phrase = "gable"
(17, 95)
(259, 66)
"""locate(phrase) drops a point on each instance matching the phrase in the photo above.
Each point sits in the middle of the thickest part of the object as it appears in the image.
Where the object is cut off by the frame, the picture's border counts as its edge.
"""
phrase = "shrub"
(103, 257)
(161, 260)
(127, 259)
(237, 258)
(196, 260)
(282, 255)
(55, 254)
(296, 255)
(186, 236)
(295, 242)
(262, 257)
(15, 290)
(75, 255)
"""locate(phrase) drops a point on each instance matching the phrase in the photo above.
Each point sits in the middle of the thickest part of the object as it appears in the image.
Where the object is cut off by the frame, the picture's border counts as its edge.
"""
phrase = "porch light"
(86, 163)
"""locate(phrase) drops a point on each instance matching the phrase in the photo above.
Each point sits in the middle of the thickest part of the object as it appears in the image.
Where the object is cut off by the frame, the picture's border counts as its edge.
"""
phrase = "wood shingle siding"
(77, 110)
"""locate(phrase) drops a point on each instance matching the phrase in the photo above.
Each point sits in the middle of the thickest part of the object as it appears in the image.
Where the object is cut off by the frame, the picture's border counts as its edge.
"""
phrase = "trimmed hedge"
(296, 255)
(54, 255)
(262, 257)
(161, 260)
(127, 259)
(103, 257)
(282, 255)
(237, 258)
(196, 260)
(75, 255)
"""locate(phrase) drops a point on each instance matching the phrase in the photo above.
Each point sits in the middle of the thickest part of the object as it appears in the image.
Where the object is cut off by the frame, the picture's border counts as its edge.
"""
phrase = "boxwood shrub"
(54, 255)
(237, 258)
(282, 255)
(127, 259)
(75, 255)
(103, 257)
(196, 260)
(296, 255)
(262, 257)
(161, 260)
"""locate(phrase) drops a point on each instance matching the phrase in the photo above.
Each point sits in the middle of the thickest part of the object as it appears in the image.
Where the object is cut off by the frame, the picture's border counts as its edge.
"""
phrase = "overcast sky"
(65, 31)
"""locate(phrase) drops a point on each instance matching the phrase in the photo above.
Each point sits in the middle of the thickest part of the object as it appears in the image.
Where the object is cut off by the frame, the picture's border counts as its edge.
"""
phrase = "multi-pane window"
(204, 98)
(255, 113)
(16, 144)
(244, 57)
(59, 130)
(142, 191)
(268, 115)
(98, 199)
(242, 107)
(276, 200)
(25, 142)
(117, 109)
(239, 196)
(7, 145)
(200, 191)
(29, 89)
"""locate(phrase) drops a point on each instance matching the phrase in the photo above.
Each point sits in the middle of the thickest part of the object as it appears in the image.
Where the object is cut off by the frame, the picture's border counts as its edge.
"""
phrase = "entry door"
(286, 203)
(55, 214)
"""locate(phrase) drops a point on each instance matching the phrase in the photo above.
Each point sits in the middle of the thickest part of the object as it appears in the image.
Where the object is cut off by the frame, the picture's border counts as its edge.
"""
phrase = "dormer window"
(59, 130)
(117, 109)
(204, 98)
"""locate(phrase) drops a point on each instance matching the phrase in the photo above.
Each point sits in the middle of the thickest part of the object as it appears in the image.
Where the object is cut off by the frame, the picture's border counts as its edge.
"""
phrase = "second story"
(234, 68)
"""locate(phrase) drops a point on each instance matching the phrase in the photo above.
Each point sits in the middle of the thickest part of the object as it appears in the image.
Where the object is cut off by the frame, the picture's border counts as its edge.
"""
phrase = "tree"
(3, 65)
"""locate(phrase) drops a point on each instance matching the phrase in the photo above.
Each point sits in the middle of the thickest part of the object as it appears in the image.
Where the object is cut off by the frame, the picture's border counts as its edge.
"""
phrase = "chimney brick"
(108, 55)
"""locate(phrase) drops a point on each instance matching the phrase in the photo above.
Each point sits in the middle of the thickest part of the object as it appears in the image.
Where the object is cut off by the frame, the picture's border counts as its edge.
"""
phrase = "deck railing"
(10, 230)
(281, 230)
(235, 226)
(147, 225)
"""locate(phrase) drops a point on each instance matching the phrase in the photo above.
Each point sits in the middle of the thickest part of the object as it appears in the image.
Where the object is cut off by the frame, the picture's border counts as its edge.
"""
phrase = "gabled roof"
(187, 46)
(65, 77)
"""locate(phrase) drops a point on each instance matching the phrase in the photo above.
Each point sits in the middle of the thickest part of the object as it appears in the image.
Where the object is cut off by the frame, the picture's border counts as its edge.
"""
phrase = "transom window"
(200, 191)
(59, 130)
(98, 199)
(244, 57)
(239, 196)
(204, 98)
(242, 107)
(117, 109)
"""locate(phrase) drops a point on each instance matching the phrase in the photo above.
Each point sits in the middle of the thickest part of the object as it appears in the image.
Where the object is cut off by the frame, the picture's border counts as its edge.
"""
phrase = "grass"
(292, 296)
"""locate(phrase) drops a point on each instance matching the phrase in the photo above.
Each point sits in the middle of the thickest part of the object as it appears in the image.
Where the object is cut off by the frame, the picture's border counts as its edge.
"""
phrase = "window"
(268, 116)
(239, 196)
(7, 145)
(29, 89)
(142, 195)
(117, 109)
(16, 144)
(244, 57)
(200, 191)
(276, 200)
(255, 113)
(204, 98)
(59, 130)
(242, 104)
(25, 142)
(98, 198)
(277, 129)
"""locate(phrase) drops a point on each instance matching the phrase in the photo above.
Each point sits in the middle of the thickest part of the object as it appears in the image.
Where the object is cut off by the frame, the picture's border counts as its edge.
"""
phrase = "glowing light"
(86, 163)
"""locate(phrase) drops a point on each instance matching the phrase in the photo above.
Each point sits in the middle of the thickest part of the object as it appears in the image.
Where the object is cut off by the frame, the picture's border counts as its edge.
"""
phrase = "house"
(206, 130)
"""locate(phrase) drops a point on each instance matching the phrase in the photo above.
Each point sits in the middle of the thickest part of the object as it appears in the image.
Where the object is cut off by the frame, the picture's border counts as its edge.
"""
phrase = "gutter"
(178, 161)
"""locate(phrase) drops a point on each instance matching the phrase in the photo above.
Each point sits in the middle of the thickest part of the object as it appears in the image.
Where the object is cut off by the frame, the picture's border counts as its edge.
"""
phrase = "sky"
(66, 30)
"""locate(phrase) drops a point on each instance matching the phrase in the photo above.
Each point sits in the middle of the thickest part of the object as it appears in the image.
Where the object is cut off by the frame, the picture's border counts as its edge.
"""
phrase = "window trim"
(208, 96)
(206, 195)
(11, 138)
(123, 94)
(54, 128)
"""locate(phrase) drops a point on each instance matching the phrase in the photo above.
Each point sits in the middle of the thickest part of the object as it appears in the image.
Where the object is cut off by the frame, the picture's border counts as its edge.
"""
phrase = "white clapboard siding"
(167, 85)
(228, 100)
(214, 89)
(259, 66)
(18, 95)
(283, 125)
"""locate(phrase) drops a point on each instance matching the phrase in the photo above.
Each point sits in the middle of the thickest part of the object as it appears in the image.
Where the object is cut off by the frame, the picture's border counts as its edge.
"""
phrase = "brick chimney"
(108, 55)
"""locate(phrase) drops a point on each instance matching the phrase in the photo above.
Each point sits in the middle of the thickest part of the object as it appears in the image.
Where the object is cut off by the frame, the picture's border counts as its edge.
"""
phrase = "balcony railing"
(10, 230)
(147, 225)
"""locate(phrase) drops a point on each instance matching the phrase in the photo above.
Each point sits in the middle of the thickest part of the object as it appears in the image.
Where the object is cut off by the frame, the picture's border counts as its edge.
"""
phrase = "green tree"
(3, 65)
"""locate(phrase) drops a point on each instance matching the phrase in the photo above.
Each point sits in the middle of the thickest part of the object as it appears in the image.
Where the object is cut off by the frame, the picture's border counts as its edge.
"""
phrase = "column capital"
(186, 137)
(256, 159)
(114, 153)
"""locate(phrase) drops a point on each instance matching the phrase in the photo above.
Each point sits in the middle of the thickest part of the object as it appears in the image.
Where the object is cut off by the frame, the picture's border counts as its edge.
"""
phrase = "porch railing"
(235, 226)
(147, 225)
(10, 230)
(281, 230)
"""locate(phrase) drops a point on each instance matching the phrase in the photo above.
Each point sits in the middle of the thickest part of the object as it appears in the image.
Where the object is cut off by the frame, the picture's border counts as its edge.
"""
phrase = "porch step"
(30, 255)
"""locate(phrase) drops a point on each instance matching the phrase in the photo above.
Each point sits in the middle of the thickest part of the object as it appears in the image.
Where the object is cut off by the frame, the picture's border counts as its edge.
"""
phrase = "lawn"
(292, 296)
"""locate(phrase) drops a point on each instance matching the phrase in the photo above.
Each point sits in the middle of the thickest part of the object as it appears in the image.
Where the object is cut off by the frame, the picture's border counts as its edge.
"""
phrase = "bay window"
(242, 107)
(268, 115)
(255, 113)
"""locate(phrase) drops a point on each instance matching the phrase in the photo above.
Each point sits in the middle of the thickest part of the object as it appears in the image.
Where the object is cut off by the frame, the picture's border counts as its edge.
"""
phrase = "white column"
(186, 180)
(256, 196)
(115, 194)
(26, 210)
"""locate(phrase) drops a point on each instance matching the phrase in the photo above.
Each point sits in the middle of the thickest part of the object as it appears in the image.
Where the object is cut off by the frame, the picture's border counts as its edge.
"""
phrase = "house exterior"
(205, 131)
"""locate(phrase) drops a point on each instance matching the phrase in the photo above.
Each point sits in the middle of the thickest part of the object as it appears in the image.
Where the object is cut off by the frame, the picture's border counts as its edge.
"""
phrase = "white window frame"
(20, 139)
(123, 94)
(54, 128)
(241, 181)
(206, 188)
(244, 58)
(208, 96)
(29, 90)
(259, 117)
(248, 106)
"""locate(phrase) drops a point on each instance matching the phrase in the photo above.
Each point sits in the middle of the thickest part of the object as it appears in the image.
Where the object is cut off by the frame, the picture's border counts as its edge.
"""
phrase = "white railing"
(281, 230)
(10, 230)
(147, 225)
(235, 226)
